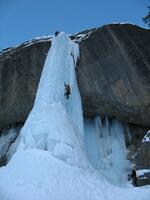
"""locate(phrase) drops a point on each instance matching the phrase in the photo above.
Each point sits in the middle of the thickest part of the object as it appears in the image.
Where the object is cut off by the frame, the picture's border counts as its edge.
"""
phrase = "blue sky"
(22, 20)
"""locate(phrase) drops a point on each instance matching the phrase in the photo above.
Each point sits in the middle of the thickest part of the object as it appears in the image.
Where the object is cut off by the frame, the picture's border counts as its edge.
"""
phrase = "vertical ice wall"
(55, 122)
(105, 144)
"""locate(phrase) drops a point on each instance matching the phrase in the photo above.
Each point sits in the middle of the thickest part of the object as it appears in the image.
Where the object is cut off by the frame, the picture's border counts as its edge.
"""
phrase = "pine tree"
(146, 19)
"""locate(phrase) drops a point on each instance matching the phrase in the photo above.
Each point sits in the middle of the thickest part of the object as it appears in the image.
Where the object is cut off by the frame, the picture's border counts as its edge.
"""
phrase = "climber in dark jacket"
(67, 90)
(134, 177)
(56, 33)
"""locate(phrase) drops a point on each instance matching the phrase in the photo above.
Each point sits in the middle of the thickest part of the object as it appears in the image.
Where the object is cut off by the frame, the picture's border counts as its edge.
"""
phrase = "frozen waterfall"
(51, 162)
(55, 121)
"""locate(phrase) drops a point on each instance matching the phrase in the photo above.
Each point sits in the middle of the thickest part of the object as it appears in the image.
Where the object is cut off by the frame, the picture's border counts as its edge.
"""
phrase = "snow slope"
(51, 162)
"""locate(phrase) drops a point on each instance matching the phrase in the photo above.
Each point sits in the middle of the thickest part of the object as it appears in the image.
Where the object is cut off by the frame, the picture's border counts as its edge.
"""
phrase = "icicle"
(105, 144)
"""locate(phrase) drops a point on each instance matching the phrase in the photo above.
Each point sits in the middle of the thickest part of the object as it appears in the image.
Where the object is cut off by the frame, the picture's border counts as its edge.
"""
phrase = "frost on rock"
(8, 142)
(79, 37)
(146, 137)
(51, 162)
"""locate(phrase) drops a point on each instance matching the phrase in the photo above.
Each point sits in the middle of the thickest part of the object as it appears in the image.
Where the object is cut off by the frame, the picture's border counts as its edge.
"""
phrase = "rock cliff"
(113, 74)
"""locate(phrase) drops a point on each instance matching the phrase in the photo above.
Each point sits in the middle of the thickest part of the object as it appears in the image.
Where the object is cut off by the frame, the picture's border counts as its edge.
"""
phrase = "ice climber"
(67, 90)
(56, 33)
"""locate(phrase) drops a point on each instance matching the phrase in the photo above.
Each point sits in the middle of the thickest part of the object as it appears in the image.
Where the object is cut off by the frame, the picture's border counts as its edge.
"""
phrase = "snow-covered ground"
(141, 172)
(50, 162)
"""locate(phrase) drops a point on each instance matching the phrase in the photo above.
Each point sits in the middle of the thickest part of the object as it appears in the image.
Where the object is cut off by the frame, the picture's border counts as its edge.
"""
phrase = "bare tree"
(146, 19)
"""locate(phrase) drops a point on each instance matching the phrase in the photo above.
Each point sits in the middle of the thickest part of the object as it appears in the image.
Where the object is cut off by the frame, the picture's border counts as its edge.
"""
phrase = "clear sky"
(22, 20)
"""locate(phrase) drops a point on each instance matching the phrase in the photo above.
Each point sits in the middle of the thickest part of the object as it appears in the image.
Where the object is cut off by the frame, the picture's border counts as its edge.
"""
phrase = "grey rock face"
(113, 75)
(20, 71)
(133, 136)
(138, 152)
(9, 140)
(142, 160)
(142, 157)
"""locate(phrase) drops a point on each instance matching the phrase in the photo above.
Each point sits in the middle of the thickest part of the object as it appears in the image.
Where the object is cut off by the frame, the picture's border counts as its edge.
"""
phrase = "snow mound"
(37, 175)
(141, 172)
